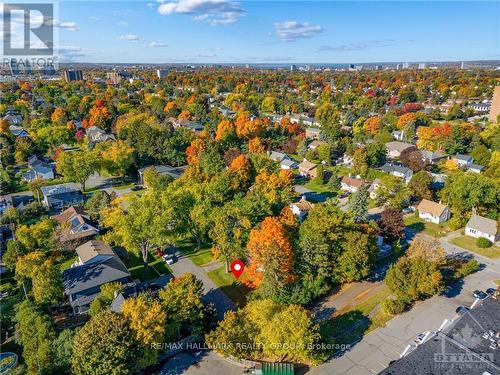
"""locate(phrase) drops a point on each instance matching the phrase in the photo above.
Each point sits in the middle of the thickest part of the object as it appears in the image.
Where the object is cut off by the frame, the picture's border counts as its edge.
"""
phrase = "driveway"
(212, 293)
(199, 363)
(374, 352)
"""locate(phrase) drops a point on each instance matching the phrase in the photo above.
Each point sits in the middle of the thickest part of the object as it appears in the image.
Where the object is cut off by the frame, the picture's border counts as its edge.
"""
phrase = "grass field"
(418, 225)
(233, 288)
(469, 243)
(156, 267)
(198, 256)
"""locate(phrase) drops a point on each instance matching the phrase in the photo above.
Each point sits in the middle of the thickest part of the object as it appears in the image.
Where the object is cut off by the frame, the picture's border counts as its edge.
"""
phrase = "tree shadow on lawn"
(344, 331)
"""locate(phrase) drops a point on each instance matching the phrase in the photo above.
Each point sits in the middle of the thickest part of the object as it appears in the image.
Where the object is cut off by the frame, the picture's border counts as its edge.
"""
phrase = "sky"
(226, 31)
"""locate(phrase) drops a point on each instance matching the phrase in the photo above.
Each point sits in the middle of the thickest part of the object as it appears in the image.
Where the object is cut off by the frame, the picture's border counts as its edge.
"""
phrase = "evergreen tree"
(358, 205)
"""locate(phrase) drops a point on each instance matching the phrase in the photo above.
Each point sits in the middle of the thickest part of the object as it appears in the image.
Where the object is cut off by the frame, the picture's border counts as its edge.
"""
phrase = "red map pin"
(237, 268)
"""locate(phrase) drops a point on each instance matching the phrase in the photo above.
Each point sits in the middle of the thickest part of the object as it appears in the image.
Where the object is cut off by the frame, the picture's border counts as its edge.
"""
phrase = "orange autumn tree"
(225, 130)
(99, 114)
(194, 150)
(372, 125)
(241, 168)
(271, 255)
(184, 115)
(58, 116)
(405, 120)
(255, 145)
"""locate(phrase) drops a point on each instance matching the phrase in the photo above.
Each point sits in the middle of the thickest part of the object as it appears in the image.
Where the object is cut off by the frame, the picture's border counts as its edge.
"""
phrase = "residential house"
(285, 161)
(462, 160)
(373, 188)
(432, 157)
(347, 159)
(97, 135)
(75, 224)
(13, 118)
(16, 201)
(58, 196)
(301, 208)
(18, 131)
(436, 213)
(39, 168)
(479, 226)
(308, 169)
(395, 148)
(183, 123)
(313, 133)
(167, 170)
(350, 184)
(315, 144)
(476, 168)
(97, 264)
(398, 171)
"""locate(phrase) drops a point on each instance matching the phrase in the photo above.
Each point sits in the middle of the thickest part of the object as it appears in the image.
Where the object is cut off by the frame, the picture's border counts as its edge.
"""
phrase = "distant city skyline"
(225, 31)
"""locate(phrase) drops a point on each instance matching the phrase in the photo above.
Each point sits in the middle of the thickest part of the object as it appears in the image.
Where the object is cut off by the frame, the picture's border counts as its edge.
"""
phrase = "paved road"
(199, 363)
(374, 352)
(212, 292)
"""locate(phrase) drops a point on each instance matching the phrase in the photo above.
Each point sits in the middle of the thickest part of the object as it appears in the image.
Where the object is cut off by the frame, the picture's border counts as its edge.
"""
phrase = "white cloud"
(70, 53)
(71, 26)
(358, 46)
(156, 45)
(290, 31)
(214, 12)
(129, 37)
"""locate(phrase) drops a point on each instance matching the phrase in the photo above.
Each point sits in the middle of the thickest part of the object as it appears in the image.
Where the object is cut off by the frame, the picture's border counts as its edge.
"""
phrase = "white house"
(463, 160)
(351, 184)
(301, 208)
(398, 171)
(395, 148)
(479, 226)
(436, 213)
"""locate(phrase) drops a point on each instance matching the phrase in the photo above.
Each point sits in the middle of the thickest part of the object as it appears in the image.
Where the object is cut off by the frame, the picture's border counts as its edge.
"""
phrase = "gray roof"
(289, 163)
(389, 168)
(463, 157)
(462, 337)
(174, 172)
(277, 156)
(483, 224)
(398, 146)
(59, 189)
(475, 166)
(88, 276)
(432, 155)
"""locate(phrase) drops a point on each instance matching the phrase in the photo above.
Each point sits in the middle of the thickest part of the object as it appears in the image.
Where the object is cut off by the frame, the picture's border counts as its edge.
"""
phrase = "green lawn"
(198, 256)
(319, 188)
(418, 225)
(67, 263)
(156, 267)
(352, 324)
(234, 289)
(469, 243)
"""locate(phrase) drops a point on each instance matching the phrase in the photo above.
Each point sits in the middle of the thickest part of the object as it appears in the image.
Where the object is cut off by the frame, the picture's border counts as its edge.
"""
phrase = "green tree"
(420, 185)
(142, 226)
(95, 204)
(104, 299)
(106, 345)
(414, 278)
(47, 286)
(35, 185)
(35, 334)
(63, 351)
(334, 182)
(358, 257)
(358, 205)
(481, 155)
(77, 166)
(181, 300)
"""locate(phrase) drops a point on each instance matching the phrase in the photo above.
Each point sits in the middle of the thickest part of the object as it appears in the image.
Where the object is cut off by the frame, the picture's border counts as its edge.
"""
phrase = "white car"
(168, 258)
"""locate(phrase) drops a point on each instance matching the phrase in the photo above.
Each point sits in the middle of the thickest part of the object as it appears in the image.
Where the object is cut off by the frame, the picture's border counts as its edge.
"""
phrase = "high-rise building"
(161, 73)
(422, 65)
(293, 68)
(72, 75)
(406, 65)
(398, 66)
(495, 105)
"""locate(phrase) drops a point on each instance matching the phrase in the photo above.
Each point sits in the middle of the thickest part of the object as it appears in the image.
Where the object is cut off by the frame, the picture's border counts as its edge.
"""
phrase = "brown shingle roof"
(435, 209)
(356, 182)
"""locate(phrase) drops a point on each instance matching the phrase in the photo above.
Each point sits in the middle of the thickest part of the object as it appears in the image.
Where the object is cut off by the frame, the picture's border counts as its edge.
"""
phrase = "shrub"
(483, 242)
(394, 306)
(7, 287)
(468, 267)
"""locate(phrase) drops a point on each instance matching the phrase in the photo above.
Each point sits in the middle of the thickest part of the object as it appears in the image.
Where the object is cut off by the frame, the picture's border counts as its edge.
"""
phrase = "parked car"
(419, 339)
(461, 310)
(137, 187)
(169, 258)
(490, 291)
(479, 294)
